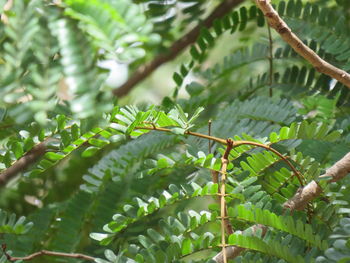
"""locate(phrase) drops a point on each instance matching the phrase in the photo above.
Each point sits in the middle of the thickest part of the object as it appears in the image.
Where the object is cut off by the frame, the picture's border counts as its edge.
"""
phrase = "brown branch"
(29, 158)
(302, 197)
(176, 48)
(225, 222)
(215, 177)
(209, 133)
(288, 36)
(21, 164)
(47, 253)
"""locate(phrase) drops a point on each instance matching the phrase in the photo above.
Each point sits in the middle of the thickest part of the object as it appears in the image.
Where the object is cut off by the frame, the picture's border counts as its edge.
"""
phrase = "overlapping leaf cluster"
(135, 183)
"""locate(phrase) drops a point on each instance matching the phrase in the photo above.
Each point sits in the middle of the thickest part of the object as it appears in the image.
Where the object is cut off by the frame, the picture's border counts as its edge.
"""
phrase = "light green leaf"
(54, 156)
(186, 247)
(90, 151)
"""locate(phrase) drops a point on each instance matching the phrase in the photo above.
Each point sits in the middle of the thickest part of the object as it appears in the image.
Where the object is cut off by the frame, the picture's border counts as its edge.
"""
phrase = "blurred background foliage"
(60, 60)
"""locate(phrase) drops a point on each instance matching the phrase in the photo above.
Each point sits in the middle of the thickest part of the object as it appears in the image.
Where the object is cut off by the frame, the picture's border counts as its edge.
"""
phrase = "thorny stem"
(47, 253)
(223, 208)
(214, 174)
(214, 177)
(235, 144)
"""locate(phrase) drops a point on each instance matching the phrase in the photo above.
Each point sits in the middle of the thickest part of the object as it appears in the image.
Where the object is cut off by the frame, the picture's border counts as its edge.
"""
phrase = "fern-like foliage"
(44, 41)
(142, 209)
(284, 223)
(271, 247)
(122, 28)
(9, 224)
(339, 252)
(150, 182)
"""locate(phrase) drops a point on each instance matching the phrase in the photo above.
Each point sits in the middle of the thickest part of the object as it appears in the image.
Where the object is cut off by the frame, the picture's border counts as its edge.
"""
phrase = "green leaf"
(98, 236)
(17, 150)
(110, 255)
(196, 114)
(61, 122)
(194, 53)
(90, 151)
(162, 163)
(97, 142)
(41, 135)
(54, 156)
(194, 88)
(178, 79)
(186, 247)
(179, 131)
(75, 131)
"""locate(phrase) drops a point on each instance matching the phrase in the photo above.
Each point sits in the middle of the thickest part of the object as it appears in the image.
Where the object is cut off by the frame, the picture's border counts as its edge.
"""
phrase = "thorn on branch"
(229, 147)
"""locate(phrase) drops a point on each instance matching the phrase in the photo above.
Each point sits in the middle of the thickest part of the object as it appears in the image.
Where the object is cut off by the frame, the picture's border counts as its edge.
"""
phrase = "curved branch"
(176, 48)
(303, 50)
(21, 164)
(235, 144)
(47, 253)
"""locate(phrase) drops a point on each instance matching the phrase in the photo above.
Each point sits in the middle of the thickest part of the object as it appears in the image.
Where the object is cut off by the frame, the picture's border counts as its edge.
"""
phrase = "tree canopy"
(174, 131)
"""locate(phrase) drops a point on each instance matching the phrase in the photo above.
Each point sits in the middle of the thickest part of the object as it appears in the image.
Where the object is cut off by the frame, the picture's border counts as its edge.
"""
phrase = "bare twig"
(215, 176)
(47, 253)
(176, 48)
(303, 196)
(21, 164)
(209, 133)
(288, 36)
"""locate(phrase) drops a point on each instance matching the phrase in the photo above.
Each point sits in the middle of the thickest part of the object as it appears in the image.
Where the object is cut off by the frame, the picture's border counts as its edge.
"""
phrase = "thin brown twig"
(303, 50)
(235, 144)
(228, 226)
(214, 174)
(209, 133)
(223, 208)
(45, 253)
(175, 49)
